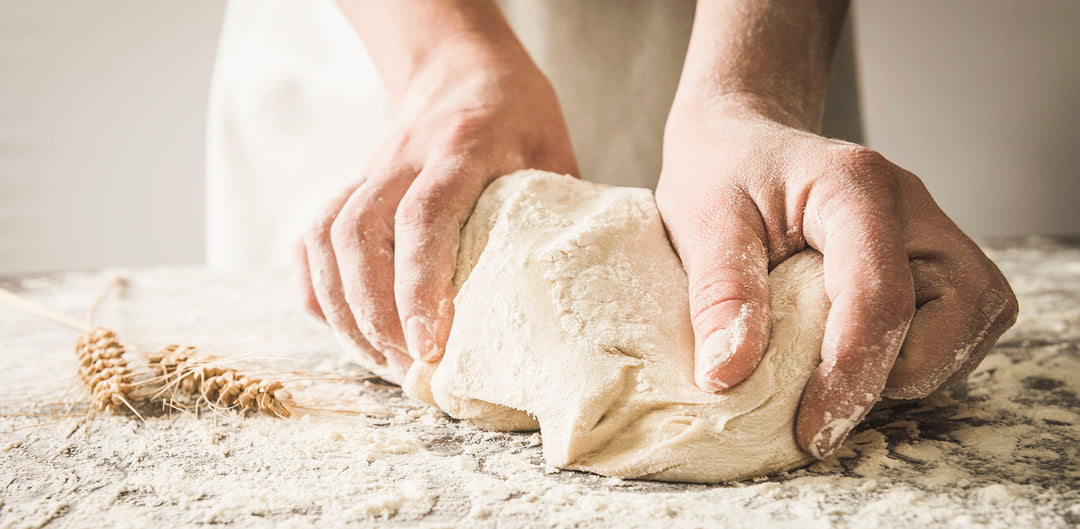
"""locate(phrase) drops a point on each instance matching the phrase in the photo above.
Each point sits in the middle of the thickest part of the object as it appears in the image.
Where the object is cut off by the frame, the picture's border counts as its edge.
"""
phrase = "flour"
(1000, 451)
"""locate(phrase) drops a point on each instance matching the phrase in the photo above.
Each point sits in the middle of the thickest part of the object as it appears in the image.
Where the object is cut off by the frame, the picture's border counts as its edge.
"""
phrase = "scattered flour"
(1002, 451)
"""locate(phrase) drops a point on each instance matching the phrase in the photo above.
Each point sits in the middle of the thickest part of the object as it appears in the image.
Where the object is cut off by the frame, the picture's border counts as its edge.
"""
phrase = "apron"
(296, 107)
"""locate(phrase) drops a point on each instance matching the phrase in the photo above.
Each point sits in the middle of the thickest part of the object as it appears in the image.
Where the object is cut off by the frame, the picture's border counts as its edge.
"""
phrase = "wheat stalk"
(104, 370)
(101, 356)
(218, 385)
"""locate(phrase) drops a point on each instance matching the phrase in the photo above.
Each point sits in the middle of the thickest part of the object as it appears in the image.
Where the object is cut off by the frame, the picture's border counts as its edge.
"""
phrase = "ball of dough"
(571, 316)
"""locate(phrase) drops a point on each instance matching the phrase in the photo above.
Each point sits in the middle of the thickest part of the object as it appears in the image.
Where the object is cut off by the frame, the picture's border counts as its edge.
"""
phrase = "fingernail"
(829, 438)
(420, 338)
(836, 429)
(715, 352)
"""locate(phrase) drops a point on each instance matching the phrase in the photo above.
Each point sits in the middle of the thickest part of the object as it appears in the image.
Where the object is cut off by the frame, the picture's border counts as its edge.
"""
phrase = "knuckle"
(413, 213)
(892, 299)
(318, 231)
(354, 227)
(865, 169)
(412, 285)
(419, 210)
(1003, 295)
(998, 303)
(910, 181)
(342, 231)
(721, 297)
(1012, 310)
(987, 291)
(860, 158)
(463, 130)
(460, 130)
(473, 141)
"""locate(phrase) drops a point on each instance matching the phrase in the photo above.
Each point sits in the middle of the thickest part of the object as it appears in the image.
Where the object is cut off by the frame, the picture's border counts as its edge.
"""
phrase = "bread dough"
(571, 316)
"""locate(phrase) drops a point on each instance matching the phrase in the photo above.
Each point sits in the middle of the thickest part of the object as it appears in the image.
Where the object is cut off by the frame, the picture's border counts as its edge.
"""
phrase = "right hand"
(378, 261)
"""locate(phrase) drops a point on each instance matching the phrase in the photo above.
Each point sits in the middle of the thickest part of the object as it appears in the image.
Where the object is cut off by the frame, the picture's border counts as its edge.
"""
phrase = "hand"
(378, 262)
(916, 305)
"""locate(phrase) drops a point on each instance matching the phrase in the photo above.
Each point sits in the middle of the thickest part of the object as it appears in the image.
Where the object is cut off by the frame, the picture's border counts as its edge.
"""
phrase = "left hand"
(916, 304)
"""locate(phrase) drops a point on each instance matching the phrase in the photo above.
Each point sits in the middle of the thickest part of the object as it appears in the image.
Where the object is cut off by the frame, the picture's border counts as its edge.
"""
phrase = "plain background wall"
(982, 100)
(102, 113)
(102, 118)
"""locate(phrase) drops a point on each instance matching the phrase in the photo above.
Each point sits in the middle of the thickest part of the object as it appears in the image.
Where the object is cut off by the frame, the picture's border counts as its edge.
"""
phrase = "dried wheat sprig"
(218, 385)
(116, 283)
(101, 356)
(23, 304)
(104, 370)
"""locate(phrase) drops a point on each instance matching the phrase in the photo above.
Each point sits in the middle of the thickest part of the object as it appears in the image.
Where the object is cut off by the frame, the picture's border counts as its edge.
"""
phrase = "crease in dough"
(571, 316)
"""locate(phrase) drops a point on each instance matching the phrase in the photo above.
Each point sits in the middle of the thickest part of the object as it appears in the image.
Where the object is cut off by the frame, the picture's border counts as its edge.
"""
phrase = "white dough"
(571, 315)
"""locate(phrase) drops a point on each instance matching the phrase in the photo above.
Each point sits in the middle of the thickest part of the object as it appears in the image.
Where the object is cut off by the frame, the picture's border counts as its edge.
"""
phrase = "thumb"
(727, 268)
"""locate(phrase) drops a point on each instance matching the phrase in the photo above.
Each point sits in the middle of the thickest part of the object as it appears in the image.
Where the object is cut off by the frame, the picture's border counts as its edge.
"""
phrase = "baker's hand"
(916, 305)
(377, 263)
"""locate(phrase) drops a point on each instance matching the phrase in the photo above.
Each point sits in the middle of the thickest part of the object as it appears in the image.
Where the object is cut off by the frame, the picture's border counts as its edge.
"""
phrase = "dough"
(571, 316)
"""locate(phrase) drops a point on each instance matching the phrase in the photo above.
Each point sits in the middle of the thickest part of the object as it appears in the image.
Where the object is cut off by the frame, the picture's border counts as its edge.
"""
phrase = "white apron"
(296, 107)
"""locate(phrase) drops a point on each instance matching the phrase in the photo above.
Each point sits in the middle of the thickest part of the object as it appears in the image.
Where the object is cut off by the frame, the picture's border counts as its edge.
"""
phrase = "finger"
(326, 280)
(363, 240)
(727, 268)
(868, 281)
(1004, 321)
(964, 307)
(303, 275)
(994, 333)
(427, 230)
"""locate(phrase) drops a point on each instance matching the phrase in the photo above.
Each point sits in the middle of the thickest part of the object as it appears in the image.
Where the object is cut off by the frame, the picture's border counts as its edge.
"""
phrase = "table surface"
(1000, 450)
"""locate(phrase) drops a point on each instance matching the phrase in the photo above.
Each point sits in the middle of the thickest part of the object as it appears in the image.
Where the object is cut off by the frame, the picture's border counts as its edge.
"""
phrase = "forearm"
(403, 35)
(772, 55)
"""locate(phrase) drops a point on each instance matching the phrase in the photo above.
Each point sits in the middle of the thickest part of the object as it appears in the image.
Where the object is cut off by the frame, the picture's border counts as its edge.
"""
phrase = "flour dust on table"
(1000, 451)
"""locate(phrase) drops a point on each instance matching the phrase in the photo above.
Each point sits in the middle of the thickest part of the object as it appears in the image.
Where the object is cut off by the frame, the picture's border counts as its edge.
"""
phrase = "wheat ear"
(220, 386)
(105, 371)
(103, 368)
(101, 357)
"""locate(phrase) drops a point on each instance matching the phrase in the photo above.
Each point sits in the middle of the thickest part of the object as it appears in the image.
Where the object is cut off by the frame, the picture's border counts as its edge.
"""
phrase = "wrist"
(721, 103)
(466, 53)
(467, 73)
(407, 38)
(763, 57)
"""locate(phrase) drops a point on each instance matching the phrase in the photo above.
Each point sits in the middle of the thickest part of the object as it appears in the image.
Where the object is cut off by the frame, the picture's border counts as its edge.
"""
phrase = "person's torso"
(297, 107)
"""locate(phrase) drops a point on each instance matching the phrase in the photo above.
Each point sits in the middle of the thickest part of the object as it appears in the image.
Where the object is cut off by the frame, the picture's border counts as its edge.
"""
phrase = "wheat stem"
(117, 282)
(19, 302)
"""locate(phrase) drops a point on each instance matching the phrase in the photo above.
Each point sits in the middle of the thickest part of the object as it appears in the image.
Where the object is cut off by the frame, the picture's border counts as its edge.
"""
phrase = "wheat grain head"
(220, 386)
(103, 368)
